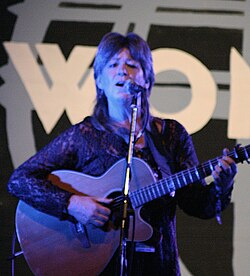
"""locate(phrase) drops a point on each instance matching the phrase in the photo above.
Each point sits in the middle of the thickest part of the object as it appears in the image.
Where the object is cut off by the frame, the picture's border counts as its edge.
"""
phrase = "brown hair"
(111, 44)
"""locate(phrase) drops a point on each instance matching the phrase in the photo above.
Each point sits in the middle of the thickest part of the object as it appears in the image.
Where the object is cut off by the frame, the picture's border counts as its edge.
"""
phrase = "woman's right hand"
(87, 209)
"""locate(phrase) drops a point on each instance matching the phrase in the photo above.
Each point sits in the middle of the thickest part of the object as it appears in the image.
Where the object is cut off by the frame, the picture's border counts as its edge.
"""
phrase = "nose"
(122, 70)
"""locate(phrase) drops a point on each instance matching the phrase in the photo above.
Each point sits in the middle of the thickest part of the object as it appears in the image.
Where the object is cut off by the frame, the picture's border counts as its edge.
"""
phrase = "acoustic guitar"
(55, 247)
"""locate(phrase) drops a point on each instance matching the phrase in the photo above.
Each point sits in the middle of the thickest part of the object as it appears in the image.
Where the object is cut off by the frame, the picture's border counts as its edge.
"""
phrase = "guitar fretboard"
(181, 179)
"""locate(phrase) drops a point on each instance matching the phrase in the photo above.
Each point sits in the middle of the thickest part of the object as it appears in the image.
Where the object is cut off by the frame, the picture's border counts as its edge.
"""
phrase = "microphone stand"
(124, 221)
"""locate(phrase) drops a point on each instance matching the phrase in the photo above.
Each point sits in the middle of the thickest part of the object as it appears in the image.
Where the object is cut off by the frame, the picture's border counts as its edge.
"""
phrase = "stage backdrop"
(201, 52)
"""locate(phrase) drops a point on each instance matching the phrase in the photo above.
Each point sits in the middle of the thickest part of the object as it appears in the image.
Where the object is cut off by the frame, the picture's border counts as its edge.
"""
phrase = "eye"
(112, 64)
(132, 65)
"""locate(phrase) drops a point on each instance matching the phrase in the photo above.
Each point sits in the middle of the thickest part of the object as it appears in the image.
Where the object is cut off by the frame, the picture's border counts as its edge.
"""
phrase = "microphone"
(134, 88)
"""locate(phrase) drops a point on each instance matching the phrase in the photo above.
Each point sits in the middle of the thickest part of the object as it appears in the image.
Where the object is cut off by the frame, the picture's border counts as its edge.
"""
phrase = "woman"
(100, 140)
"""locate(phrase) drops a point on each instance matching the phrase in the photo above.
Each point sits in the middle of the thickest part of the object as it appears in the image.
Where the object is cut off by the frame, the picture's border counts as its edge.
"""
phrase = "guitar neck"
(183, 178)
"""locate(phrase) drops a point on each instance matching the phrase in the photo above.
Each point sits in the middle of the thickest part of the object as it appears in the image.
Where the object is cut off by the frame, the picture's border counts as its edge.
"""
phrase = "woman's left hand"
(225, 172)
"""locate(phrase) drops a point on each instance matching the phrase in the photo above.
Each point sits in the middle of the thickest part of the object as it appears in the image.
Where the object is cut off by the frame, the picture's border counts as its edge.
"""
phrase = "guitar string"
(147, 189)
(203, 168)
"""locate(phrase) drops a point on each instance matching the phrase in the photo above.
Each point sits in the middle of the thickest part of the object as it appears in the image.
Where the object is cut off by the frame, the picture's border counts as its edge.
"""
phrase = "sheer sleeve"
(29, 181)
(197, 199)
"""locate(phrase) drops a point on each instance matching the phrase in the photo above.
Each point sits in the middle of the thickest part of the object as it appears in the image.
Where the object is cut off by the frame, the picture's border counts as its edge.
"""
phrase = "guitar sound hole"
(116, 208)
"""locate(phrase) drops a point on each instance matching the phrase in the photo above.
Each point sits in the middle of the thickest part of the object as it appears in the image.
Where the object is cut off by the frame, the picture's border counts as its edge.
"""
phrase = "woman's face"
(117, 72)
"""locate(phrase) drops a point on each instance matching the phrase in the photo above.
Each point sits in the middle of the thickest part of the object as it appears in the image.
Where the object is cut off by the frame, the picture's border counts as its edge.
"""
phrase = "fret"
(140, 196)
(171, 186)
(181, 181)
(176, 182)
(164, 183)
(208, 168)
(153, 191)
(133, 200)
(197, 173)
(163, 187)
(190, 176)
(216, 162)
(246, 154)
(210, 165)
(144, 195)
(138, 199)
(235, 154)
(183, 177)
(158, 190)
(202, 169)
(149, 194)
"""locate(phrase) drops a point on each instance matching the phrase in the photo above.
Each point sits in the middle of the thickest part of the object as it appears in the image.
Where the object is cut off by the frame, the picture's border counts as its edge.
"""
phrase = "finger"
(104, 200)
(234, 168)
(224, 166)
(103, 218)
(225, 151)
(98, 223)
(103, 211)
(104, 205)
(228, 166)
(99, 220)
(228, 160)
(230, 170)
(216, 177)
(218, 168)
(226, 157)
(219, 172)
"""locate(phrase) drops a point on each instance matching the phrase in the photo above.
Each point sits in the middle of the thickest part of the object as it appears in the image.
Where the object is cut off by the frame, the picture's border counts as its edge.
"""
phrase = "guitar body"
(53, 247)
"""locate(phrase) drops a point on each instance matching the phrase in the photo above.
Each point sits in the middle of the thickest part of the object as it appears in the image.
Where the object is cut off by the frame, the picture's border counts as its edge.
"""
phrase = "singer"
(123, 69)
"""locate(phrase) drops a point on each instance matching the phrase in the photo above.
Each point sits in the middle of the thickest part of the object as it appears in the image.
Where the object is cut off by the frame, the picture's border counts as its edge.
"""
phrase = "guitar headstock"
(241, 154)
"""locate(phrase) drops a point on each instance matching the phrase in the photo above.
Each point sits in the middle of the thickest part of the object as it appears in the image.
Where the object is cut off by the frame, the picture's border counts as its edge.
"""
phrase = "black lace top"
(86, 149)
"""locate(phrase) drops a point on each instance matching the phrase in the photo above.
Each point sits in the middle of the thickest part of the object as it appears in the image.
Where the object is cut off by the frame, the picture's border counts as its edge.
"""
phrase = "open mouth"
(124, 85)
(120, 84)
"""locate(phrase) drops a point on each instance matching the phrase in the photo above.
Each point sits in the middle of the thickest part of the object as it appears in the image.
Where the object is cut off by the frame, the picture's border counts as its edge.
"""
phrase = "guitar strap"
(155, 140)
